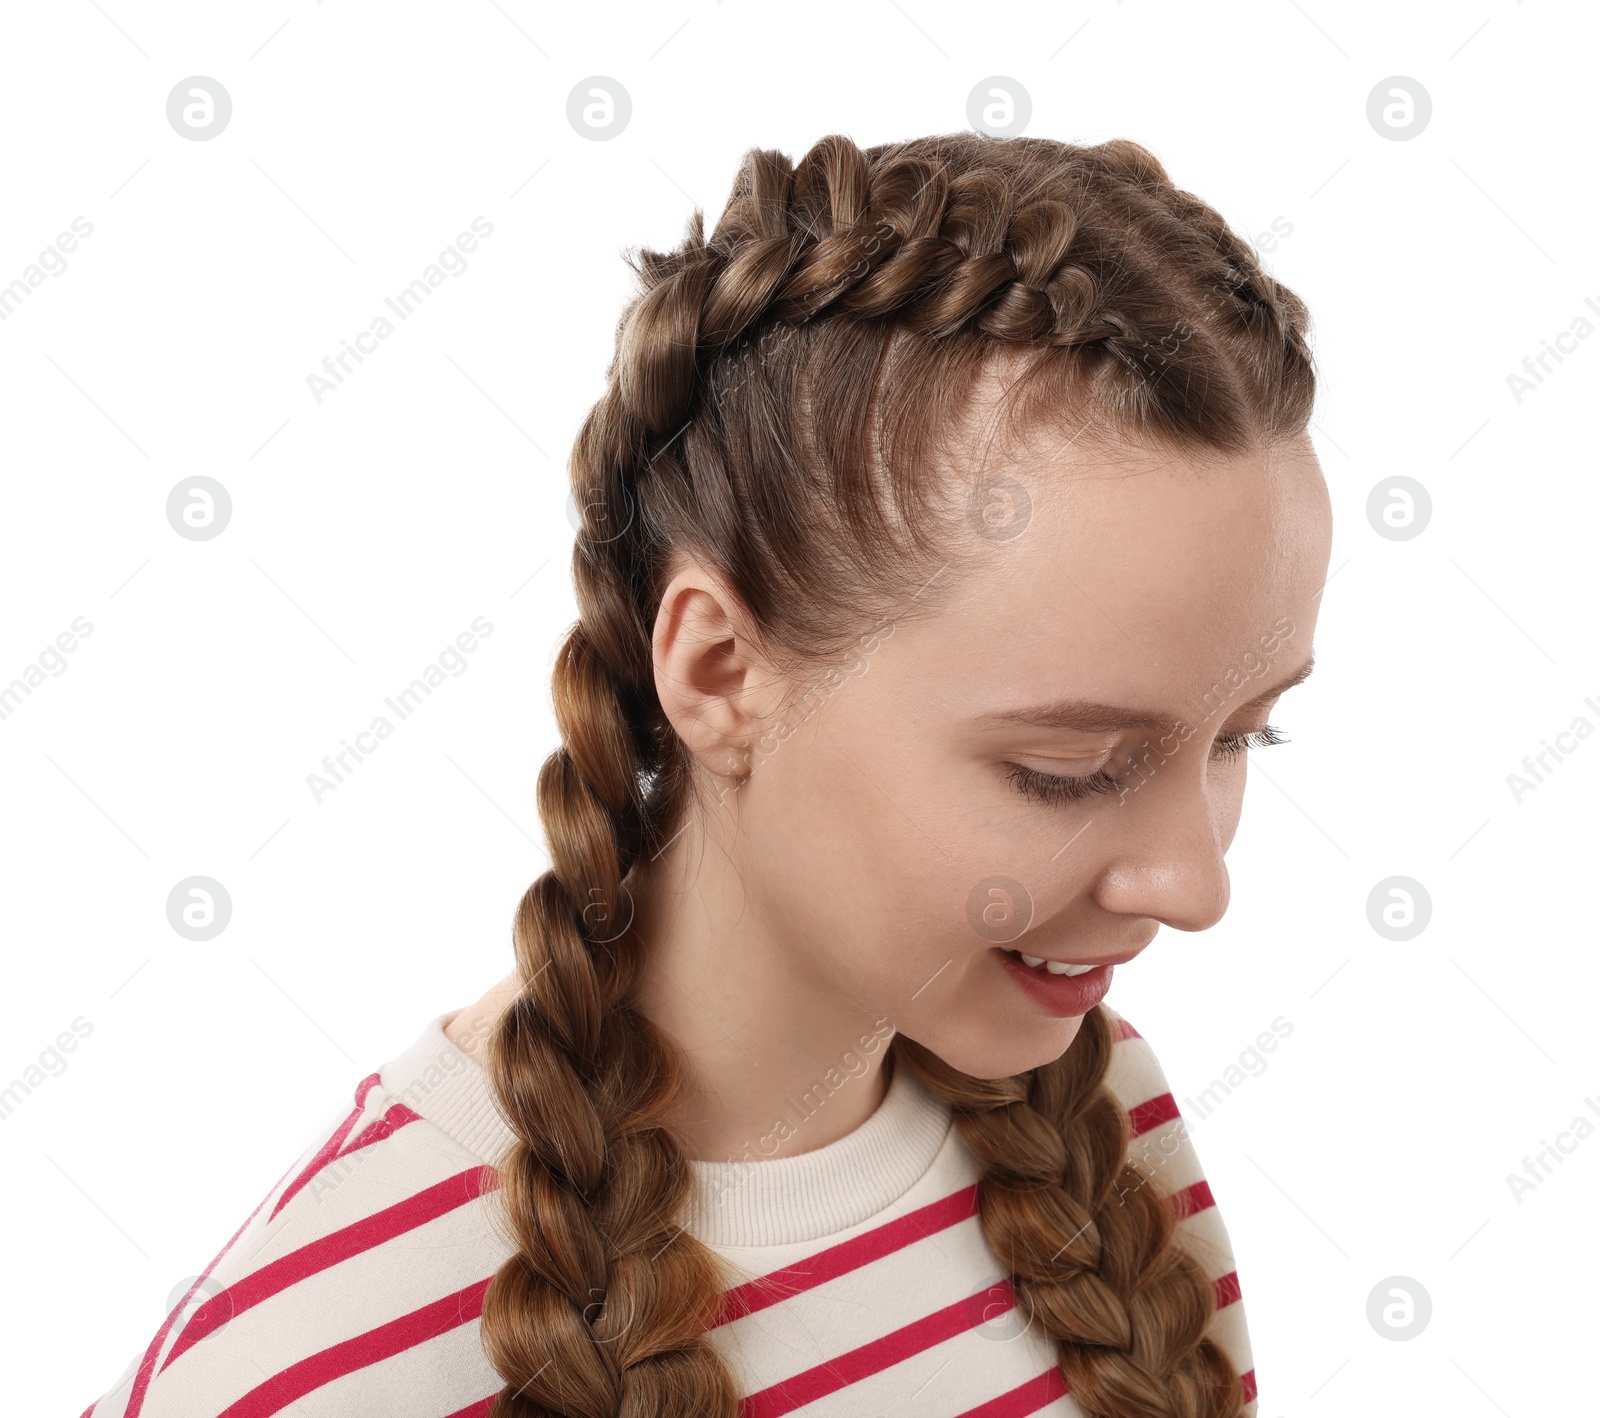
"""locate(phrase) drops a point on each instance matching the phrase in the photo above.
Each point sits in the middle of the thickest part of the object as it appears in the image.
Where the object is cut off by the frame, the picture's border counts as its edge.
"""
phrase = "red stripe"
(330, 1149)
(1227, 1289)
(1121, 1029)
(318, 1255)
(397, 1116)
(848, 1255)
(90, 1409)
(384, 1342)
(868, 1359)
(1152, 1114)
(1025, 1398)
(1193, 1200)
(1247, 1382)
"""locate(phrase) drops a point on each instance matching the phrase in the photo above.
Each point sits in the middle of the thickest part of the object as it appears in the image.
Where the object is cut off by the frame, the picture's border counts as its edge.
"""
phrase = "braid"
(603, 1308)
(1089, 1243)
(774, 397)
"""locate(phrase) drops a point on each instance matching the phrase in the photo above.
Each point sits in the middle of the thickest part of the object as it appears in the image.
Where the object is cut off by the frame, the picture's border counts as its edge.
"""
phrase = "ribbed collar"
(778, 1201)
(770, 1202)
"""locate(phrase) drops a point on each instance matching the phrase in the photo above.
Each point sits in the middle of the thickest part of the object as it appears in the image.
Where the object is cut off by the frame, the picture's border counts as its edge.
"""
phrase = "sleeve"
(147, 1387)
(1161, 1149)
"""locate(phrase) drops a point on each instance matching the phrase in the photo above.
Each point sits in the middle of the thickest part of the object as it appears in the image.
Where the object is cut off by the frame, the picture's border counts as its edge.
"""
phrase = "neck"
(777, 1062)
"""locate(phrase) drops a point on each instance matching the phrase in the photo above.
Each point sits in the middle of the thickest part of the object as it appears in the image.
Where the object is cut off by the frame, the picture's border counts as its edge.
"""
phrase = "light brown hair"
(779, 398)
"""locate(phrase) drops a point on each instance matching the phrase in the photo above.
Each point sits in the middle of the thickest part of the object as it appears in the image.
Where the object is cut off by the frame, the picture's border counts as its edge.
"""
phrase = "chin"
(1003, 1049)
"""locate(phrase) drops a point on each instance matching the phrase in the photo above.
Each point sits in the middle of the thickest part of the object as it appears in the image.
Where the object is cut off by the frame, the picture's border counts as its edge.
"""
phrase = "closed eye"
(1057, 789)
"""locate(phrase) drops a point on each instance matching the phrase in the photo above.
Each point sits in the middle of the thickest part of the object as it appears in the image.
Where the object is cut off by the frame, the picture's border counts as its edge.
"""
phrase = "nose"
(1167, 863)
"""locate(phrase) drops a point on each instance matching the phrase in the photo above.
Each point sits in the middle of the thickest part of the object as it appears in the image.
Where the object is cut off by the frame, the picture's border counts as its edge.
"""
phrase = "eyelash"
(1056, 789)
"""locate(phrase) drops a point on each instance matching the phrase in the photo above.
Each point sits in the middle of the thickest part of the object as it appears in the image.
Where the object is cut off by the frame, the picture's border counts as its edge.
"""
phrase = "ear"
(713, 682)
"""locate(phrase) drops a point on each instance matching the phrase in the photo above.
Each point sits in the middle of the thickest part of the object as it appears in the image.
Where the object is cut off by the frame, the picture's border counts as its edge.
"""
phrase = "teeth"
(1055, 967)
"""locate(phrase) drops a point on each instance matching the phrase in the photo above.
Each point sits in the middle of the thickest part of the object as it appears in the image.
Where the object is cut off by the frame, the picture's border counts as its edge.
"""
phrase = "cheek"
(865, 857)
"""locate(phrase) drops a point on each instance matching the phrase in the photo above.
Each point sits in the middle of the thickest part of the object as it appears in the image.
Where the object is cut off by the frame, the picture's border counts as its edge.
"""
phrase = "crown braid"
(775, 393)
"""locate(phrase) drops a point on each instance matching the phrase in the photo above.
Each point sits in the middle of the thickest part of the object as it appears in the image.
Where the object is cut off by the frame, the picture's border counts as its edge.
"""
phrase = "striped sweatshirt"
(860, 1280)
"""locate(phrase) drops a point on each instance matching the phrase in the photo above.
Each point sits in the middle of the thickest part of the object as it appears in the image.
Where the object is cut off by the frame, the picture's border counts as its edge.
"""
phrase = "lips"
(1061, 996)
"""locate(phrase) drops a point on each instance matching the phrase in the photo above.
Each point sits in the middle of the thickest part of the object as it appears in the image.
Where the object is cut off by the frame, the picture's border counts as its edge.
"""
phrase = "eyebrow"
(1090, 717)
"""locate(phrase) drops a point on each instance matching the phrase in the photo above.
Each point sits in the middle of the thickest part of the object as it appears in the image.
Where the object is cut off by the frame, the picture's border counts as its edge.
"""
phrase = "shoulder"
(1137, 1078)
(1161, 1150)
(1159, 1141)
(363, 1267)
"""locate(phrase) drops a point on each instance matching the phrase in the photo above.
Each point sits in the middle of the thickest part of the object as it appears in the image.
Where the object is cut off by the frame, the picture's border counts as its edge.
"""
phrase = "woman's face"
(1052, 761)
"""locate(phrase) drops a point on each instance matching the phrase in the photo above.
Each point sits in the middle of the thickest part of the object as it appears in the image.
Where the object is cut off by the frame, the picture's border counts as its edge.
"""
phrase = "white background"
(370, 529)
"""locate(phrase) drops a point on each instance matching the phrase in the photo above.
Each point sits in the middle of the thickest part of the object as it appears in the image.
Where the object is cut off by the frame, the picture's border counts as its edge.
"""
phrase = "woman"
(949, 528)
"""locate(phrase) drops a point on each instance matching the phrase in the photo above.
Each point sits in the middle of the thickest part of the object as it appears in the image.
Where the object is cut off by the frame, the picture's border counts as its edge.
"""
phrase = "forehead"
(1142, 578)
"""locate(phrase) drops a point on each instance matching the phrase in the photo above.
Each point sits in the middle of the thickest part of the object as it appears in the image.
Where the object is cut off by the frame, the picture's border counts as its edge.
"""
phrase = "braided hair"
(778, 395)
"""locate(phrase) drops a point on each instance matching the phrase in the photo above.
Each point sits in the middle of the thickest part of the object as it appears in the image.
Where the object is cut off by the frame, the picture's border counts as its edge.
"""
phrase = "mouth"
(1061, 988)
